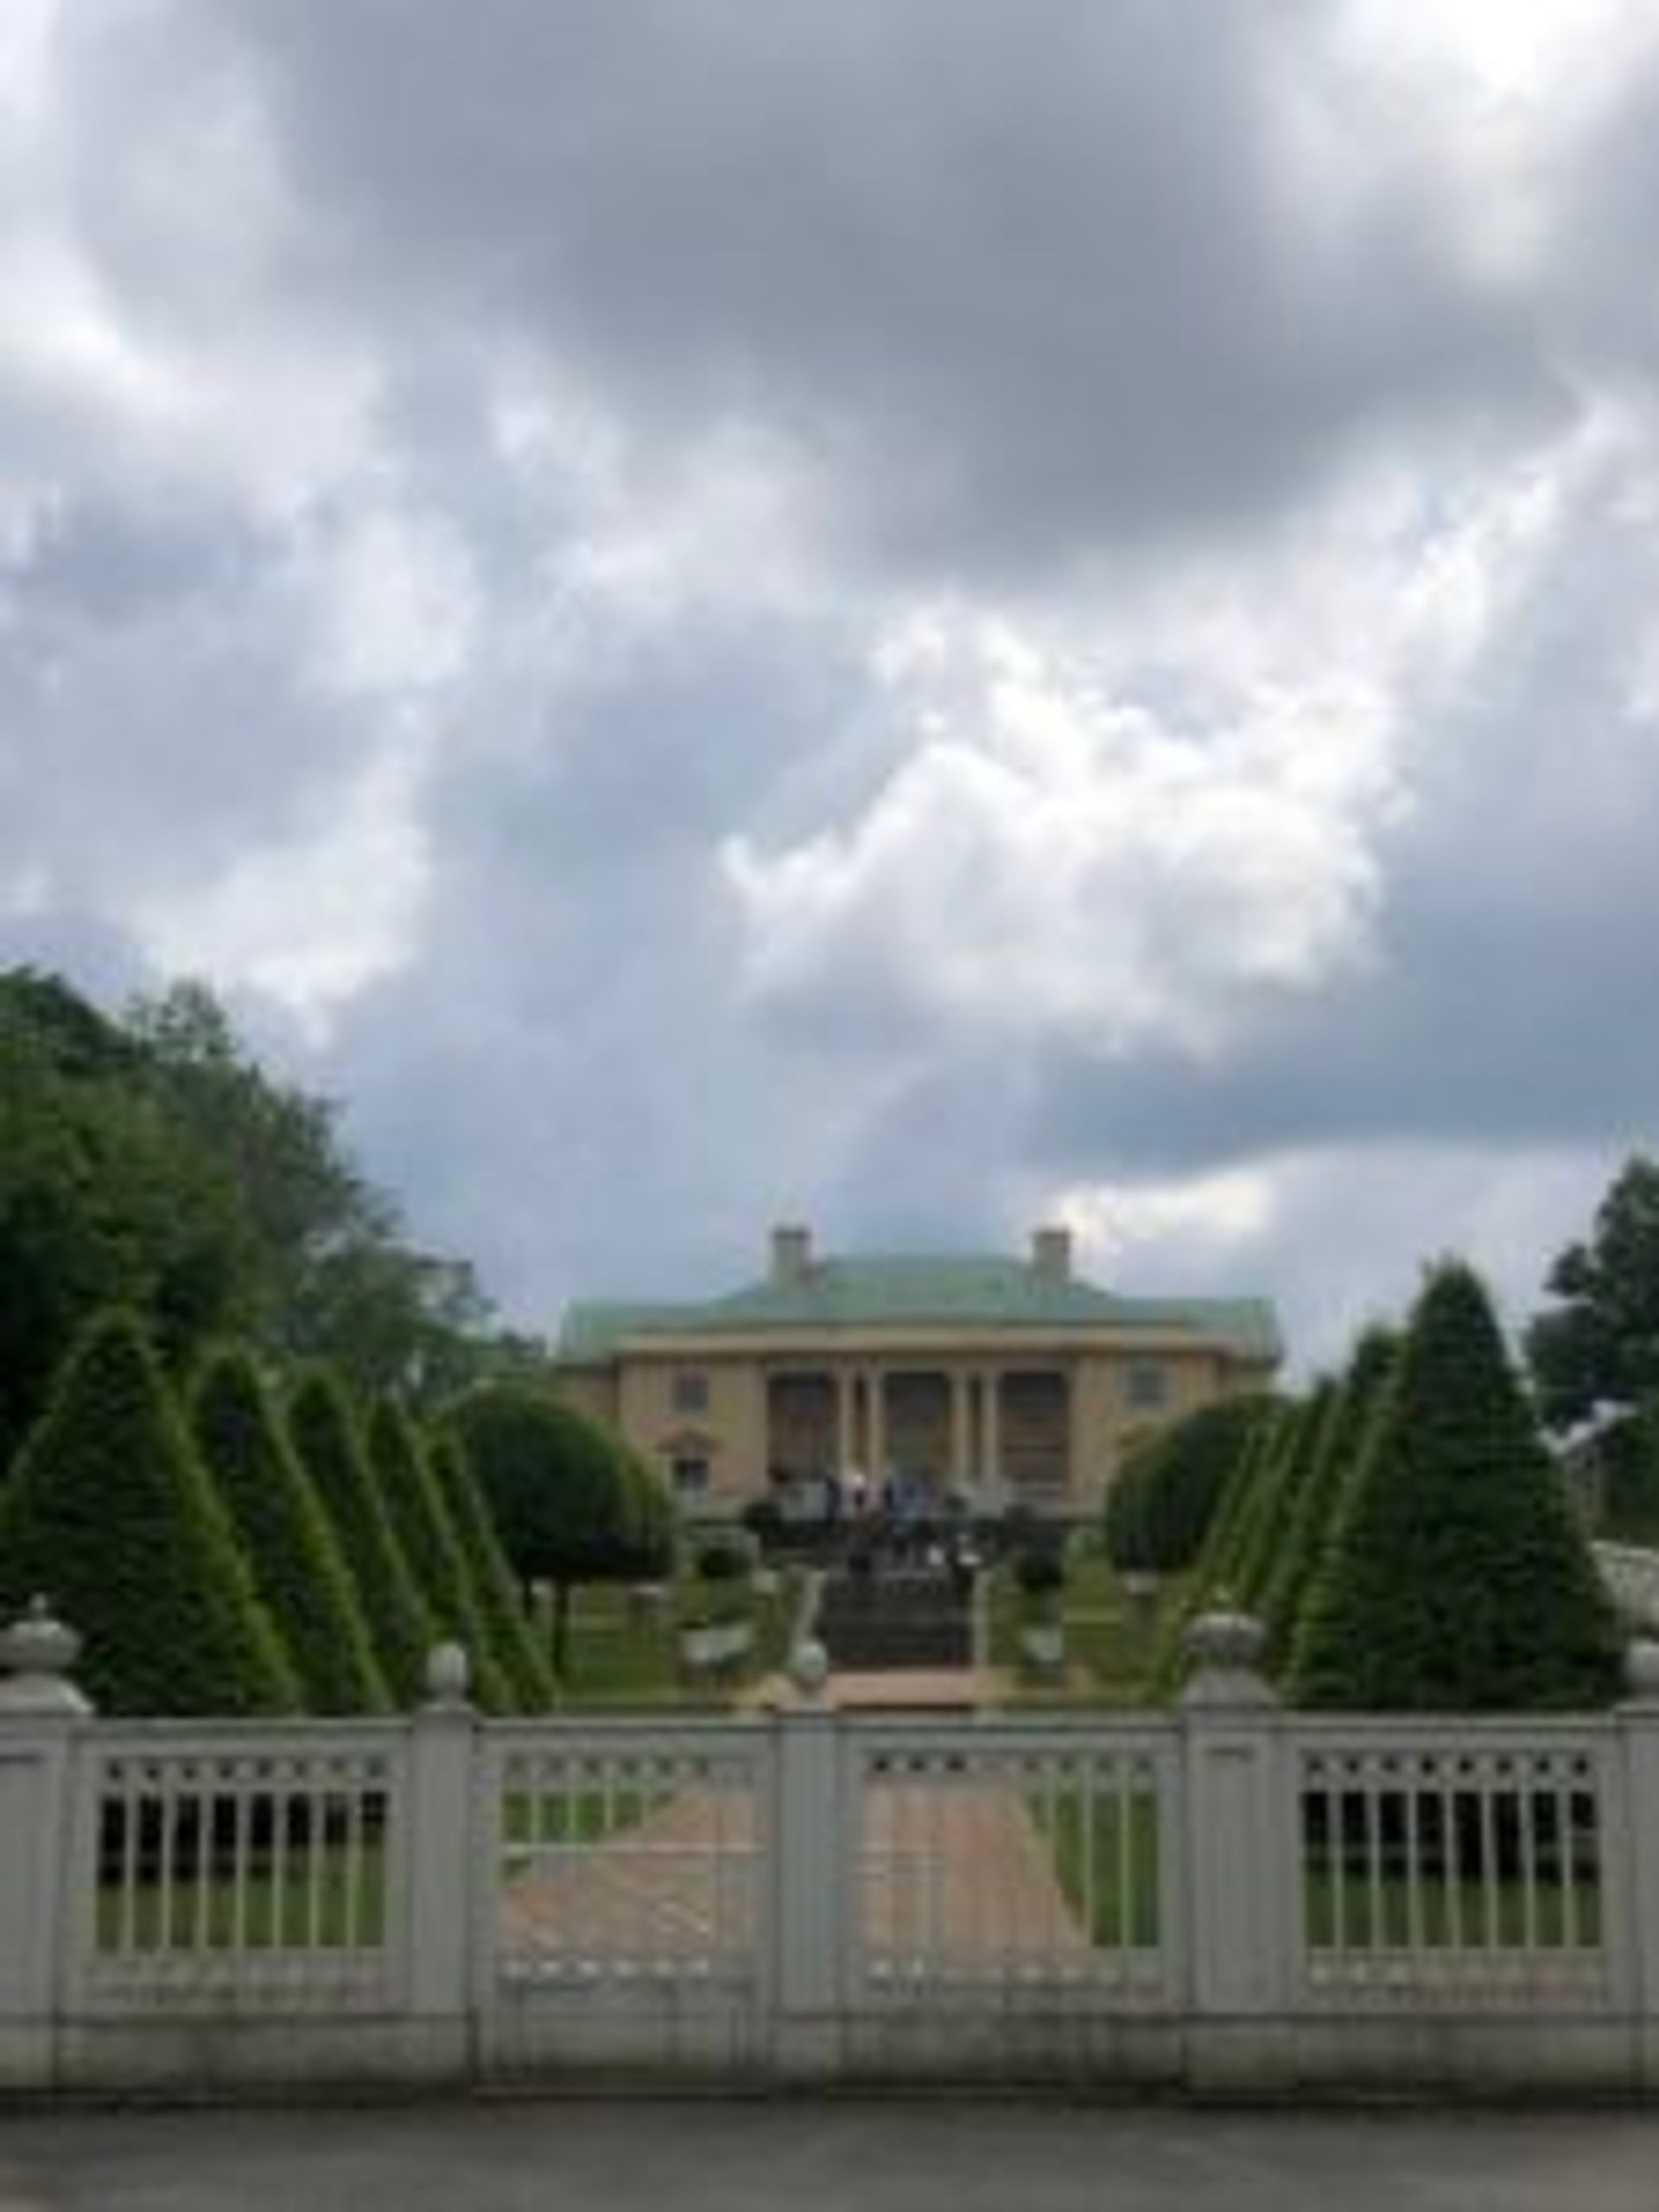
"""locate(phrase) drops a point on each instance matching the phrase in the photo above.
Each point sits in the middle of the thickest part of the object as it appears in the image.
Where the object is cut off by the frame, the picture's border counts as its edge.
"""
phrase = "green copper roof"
(923, 1290)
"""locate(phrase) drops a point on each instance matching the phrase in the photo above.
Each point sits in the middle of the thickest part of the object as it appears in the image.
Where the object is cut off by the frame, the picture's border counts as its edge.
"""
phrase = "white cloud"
(310, 922)
(1195, 1224)
(439, 538)
(1056, 856)
(395, 603)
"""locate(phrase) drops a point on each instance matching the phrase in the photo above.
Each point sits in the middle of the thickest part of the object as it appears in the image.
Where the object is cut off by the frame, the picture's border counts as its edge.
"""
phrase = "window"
(689, 1473)
(690, 1391)
(1146, 1385)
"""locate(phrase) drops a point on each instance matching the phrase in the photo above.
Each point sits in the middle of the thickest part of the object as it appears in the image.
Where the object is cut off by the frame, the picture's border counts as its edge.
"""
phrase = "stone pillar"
(816, 1866)
(1243, 1867)
(443, 1865)
(40, 1712)
(1638, 1735)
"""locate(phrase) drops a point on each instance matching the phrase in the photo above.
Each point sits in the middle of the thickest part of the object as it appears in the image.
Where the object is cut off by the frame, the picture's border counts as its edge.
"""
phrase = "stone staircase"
(883, 1618)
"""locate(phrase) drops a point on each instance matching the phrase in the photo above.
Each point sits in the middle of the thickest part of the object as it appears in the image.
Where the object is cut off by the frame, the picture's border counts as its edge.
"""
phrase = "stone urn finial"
(808, 1668)
(449, 1678)
(1223, 1649)
(1642, 1671)
(36, 1653)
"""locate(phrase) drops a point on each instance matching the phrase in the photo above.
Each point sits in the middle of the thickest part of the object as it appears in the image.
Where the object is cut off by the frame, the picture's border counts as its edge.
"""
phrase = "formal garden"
(265, 1457)
(399, 1689)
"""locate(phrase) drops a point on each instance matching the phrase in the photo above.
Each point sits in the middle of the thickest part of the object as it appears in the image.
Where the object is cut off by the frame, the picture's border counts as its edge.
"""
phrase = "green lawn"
(621, 1656)
(583, 1815)
(1110, 1638)
(1456, 1917)
(1105, 1847)
(330, 1898)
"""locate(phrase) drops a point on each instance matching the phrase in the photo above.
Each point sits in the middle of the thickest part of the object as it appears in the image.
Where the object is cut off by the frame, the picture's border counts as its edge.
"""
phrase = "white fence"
(1227, 1897)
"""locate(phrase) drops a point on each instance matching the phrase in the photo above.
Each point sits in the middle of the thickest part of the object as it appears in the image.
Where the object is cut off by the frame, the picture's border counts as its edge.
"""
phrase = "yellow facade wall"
(728, 1429)
(642, 1398)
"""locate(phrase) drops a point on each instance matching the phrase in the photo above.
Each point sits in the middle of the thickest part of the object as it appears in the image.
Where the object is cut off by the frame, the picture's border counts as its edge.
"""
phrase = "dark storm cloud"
(997, 289)
(1021, 285)
(565, 1078)
(153, 726)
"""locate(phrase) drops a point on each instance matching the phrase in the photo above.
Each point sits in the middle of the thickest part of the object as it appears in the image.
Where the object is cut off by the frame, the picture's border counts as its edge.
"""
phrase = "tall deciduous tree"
(150, 1162)
(1596, 1351)
(111, 1513)
(327, 1275)
(104, 1200)
(298, 1567)
(1459, 1579)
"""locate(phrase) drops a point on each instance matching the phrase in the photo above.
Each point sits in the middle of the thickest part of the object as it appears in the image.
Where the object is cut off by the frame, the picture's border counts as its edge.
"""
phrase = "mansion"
(999, 1381)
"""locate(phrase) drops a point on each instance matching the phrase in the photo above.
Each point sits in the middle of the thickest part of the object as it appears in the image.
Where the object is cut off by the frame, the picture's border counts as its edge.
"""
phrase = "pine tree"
(436, 1557)
(110, 1513)
(517, 1649)
(324, 1431)
(298, 1567)
(1457, 1579)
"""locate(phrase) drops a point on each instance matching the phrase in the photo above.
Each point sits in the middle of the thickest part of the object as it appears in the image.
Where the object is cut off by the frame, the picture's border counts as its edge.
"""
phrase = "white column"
(846, 1443)
(878, 1466)
(991, 1431)
(961, 1466)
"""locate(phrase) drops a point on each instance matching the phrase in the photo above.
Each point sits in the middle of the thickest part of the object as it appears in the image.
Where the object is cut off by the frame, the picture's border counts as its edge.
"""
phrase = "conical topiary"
(1210, 1583)
(1266, 1534)
(1319, 1509)
(324, 1430)
(1457, 1579)
(298, 1567)
(434, 1550)
(109, 1512)
(514, 1643)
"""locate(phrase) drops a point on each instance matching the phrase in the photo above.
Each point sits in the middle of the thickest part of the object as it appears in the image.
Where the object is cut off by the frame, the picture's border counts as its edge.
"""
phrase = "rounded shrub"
(1039, 1574)
(523, 1664)
(1160, 1509)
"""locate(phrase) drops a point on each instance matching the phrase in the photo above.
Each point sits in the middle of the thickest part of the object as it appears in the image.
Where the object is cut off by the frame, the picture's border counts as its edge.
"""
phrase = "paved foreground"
(898, 2156)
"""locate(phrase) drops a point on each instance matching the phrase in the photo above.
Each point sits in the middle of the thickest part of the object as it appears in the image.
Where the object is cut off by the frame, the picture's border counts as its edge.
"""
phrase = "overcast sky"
(917, 614)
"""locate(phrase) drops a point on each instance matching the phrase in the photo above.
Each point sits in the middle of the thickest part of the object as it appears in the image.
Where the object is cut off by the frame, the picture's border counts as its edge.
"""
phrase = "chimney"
(791, 1254)
(1051, 1253)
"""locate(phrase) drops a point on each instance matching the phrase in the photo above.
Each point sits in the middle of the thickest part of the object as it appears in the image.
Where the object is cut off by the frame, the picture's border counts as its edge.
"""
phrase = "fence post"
(442, 1876)
(1239, 1936)
(811, 1877)
(1638, 1733)
(40, 1712)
